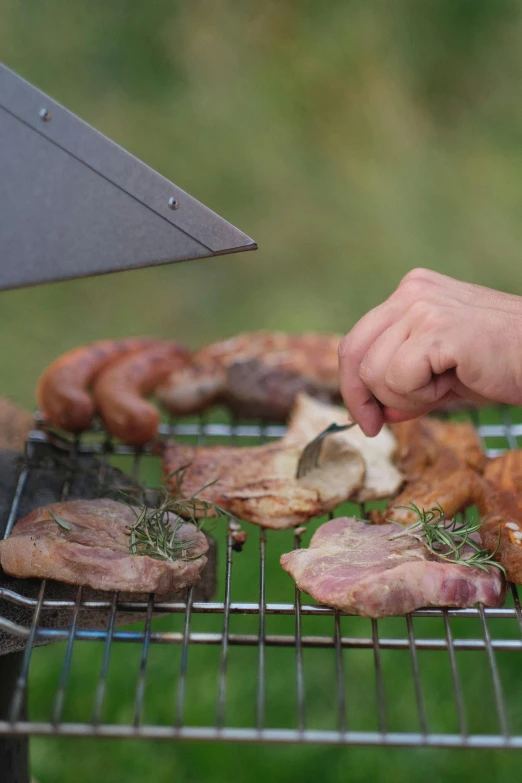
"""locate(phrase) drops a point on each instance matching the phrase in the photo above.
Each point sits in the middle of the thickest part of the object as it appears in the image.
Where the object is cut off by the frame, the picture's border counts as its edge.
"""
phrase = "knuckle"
(412, 289)
(416, 282)
(419, 273)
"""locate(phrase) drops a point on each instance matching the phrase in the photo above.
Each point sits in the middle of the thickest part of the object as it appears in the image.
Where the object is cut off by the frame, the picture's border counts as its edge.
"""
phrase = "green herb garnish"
(155, 532)
(60, 522)
(448, 538)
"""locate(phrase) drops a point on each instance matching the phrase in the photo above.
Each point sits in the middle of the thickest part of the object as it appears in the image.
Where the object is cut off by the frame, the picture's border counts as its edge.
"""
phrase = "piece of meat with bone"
(90, 545)
(367, 570)
(500, 501)
(256, 374)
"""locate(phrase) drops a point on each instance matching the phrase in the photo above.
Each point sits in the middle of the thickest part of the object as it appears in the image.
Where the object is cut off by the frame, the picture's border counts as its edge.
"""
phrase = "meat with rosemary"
(256, 374)
(88, 542)
(371, 571)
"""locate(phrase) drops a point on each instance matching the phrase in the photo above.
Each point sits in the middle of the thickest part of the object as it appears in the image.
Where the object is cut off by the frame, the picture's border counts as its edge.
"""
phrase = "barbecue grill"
(259, 627)
(350, 681)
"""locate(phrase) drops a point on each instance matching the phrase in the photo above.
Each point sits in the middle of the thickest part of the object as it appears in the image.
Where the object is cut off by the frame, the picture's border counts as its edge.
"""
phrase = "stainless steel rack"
(443, 678)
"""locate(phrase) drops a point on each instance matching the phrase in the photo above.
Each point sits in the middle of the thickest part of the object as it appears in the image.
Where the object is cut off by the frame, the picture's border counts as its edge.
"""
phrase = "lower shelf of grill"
(261, 663)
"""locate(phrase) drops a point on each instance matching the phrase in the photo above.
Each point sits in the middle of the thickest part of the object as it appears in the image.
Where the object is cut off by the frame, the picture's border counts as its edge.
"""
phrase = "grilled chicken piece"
(258, 483)
(442, 462)
(446, 483)
(95, 551)
(256, 374)
(421, 442)
(501, 503)
(361, 569)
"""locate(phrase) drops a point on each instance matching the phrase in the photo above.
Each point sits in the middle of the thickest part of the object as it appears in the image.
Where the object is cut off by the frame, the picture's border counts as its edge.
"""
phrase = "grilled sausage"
(120, 390)
(62, 391)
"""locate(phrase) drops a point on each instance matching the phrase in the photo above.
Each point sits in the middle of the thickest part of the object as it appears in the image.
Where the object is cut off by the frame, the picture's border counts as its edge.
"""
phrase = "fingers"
(405, 370)
(398, 370)
(422, 369)
(357, 395)
(358, 398)
(434, 340)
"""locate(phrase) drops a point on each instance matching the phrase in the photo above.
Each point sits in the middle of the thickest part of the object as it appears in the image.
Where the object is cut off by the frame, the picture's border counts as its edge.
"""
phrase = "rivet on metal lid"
(45, 115)
(173, 203)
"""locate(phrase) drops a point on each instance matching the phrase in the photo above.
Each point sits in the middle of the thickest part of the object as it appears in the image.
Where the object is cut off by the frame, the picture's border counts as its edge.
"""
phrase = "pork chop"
(256, 374)
(95, 550)
(356, 568)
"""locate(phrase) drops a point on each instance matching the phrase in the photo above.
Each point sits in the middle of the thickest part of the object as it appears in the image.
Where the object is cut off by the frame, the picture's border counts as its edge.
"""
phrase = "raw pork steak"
(355, 567)
(95, 551)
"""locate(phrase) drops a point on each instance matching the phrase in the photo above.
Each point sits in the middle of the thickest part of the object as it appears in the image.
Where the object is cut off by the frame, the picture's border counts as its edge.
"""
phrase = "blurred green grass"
(353, 140)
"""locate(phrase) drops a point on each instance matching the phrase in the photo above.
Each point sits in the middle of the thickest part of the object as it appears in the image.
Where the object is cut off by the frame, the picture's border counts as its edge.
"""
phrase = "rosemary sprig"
(60, 522)
(449, 538)
(155, 531)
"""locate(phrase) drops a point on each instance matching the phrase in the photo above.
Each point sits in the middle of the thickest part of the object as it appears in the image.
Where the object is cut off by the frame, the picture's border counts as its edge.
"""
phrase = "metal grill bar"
(21, 685)
(275, 736)
(220, 721)
(102, 680)
(140, 687)
(499, 701)
(381, 704)
(60, 694)
(455, 679)
(331, 644)
(341, 698)
(214, 607)
(416, 675)
(261, 637)
(272, 640)
(298, 641)
(182, 681)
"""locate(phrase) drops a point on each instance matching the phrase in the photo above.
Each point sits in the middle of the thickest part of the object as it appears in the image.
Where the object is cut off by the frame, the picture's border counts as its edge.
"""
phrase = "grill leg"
(14, 751)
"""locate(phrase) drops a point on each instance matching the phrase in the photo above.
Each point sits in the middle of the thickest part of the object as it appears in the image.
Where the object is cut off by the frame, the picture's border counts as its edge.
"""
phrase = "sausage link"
(120, 391)
(62, 391)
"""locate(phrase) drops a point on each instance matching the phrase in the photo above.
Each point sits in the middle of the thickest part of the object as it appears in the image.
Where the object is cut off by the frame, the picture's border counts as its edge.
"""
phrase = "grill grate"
(273, 667)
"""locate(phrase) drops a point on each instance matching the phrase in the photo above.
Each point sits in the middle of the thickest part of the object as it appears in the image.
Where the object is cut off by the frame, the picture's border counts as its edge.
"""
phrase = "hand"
(433, 341)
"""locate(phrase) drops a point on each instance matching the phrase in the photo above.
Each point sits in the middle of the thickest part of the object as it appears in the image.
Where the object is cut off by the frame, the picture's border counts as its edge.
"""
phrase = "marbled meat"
(361, 569)
(95, 550)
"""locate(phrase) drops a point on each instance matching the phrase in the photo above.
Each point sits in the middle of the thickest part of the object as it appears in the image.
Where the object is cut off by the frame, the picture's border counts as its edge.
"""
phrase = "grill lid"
(73, 203)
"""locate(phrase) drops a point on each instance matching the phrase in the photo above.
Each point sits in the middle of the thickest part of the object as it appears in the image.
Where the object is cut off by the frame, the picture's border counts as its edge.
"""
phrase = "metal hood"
(73, 203)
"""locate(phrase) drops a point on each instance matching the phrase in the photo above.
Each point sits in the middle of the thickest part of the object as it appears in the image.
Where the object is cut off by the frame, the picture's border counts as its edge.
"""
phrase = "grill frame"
(336, 643)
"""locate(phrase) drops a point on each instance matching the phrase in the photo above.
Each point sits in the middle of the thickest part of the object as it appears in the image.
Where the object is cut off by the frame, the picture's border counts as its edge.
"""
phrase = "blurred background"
(353, 140)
